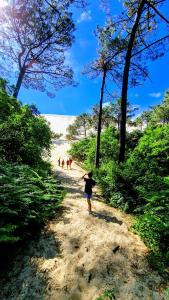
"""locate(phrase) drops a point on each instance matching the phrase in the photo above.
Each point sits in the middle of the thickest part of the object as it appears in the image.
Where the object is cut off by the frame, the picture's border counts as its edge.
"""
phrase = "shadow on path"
(107, 218)
(20, 276)
(58, 142)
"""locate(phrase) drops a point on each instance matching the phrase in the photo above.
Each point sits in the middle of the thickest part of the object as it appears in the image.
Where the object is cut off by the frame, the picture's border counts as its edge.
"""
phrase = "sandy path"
(73, 259)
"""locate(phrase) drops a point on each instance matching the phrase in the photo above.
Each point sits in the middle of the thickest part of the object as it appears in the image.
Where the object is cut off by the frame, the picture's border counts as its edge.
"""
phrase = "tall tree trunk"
(100, 121)
(19, 82)
(125, 83)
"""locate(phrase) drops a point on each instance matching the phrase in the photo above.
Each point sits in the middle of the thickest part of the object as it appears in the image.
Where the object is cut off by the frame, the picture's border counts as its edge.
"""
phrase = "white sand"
(59, 123)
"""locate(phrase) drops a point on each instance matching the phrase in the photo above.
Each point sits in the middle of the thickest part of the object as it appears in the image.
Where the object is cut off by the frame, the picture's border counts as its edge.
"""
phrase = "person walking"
(59, 162)
(63, 163)
(68, 163)
(89, 183)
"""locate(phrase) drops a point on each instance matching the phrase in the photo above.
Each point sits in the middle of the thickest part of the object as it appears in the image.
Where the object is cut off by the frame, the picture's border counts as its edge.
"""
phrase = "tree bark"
(100, 121)
(19, 83)
(125, 83)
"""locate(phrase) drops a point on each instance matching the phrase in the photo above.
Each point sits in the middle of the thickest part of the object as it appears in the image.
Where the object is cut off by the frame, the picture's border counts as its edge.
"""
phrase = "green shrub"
(132, 140)
(29, 194)
(153, 223)
(84, 150)
(25, 136)
(140, 185)
(26, 200)
(79, 148)
(152, 153)
(107, 295)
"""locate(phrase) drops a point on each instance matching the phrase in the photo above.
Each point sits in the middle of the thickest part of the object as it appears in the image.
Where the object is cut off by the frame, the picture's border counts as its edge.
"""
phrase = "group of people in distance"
(62, 162)
(89, 182)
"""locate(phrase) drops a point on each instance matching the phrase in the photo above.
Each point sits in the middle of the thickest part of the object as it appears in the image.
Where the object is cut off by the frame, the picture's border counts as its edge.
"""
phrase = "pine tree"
(33, 39)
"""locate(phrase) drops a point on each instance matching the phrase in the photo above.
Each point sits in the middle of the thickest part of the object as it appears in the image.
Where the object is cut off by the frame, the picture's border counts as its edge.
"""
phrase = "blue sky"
(76, 100)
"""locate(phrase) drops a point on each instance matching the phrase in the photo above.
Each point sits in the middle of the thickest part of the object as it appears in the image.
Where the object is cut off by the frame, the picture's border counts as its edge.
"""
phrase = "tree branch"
(157, 12)
(142, 70)
(150, 45)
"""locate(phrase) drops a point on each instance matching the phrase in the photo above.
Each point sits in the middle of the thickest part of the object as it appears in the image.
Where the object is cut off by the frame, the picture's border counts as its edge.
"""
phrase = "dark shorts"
(88, 196)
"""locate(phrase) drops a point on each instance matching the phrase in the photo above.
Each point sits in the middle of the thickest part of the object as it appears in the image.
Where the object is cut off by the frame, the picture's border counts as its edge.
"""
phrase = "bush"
(153, 226)
(107, 295)
(25, 136)
(84, 150)
(56, 136)
(79, 149)
(108, 148)
(146, 166)
(26, 200)
(152, 153)
(140, 185)
(147, 170)
(29, 193)
(132, 140)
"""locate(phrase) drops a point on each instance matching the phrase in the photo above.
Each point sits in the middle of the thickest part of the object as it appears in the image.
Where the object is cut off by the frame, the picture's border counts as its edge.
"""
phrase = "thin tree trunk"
(85, 131)
(125, 83)
(19, 83)
(100, 121)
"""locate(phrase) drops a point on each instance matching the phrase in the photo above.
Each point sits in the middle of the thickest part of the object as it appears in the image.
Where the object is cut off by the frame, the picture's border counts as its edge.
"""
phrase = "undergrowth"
(139, 186)
(26, 200)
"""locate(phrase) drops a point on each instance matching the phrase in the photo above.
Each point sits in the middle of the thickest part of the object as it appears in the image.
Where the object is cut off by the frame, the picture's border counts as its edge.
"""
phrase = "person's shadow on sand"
(106, 218)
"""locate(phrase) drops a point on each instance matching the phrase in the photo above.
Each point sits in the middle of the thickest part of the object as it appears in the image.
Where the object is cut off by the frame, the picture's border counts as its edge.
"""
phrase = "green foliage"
(153, 224)
(80, 127)
(26, 199)
(146, 167)
(167, 293)
(160, 113)
(72, 132)
(84, 150)
(110, 118)
(147, 171)
(24, 136)
(152, 152)
(48, 32)
(107, 295)
(29, 193)
(56, 135)
(79, 149)
(140, 185)
(132, 139)
(107, 177)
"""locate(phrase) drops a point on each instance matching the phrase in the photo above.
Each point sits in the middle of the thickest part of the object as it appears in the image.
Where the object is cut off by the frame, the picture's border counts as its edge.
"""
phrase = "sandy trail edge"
(73, 258)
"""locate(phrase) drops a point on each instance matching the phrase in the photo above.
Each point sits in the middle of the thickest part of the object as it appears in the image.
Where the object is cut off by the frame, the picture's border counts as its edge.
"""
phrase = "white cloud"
(85, 16)
(155, 95)
(106, 104)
